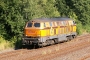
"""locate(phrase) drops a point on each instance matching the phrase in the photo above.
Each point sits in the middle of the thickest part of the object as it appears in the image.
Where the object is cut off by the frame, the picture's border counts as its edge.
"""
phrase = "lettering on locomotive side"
(30, 31)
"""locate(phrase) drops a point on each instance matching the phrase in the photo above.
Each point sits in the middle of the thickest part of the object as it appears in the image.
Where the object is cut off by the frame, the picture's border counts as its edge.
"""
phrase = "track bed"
(76, 49)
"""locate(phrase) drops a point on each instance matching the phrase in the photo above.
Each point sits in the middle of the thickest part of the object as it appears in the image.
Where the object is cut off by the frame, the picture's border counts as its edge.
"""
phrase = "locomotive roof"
(50, 19)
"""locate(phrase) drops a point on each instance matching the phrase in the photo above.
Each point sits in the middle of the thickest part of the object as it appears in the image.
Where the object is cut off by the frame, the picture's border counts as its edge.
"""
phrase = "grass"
(4, 44)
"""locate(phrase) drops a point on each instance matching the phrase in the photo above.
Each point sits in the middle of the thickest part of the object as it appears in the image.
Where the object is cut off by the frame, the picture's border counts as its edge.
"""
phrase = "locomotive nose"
(32, 32)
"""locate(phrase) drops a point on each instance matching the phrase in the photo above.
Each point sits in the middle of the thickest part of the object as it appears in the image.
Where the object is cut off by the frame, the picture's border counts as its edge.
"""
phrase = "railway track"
(49, 52)
(61, 51)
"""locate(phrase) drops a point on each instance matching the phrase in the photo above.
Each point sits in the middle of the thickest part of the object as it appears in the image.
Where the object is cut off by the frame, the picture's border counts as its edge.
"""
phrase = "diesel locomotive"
(47, 31)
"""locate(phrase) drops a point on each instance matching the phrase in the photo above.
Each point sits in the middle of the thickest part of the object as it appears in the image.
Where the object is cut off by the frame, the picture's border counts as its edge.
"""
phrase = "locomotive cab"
(32, 29)
(32, 33)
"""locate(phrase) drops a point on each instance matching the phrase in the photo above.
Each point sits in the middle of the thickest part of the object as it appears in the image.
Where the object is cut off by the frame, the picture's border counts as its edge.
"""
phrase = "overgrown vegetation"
(4, 44)
(15, 13)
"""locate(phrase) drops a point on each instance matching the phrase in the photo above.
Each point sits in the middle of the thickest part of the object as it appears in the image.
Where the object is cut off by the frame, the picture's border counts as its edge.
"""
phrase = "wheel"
(68, 39)
(52, 42)
(24, 46)
(71, 37)
(56, 41)
(48, 42)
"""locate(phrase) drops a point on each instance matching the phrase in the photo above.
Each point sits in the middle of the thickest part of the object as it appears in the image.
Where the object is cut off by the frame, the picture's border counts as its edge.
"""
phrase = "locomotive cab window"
(33, 24)
(74, 22)
(36, 24)
(29, 24)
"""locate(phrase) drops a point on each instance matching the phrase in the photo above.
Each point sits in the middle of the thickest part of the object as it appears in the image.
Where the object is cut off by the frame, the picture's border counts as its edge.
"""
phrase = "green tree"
(37, 9)
(81, 8)
(11, 20)
(49, 8)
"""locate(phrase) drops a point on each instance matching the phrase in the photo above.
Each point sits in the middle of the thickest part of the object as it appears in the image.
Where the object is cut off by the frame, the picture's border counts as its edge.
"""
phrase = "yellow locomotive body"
(46, 31)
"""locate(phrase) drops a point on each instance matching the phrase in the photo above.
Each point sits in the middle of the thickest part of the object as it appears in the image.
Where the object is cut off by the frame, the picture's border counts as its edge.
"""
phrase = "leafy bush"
(79, 28)
(4, 44)
(87, 28)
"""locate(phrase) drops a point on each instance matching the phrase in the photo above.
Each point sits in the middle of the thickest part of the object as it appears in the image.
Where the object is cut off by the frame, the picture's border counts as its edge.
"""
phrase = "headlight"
(26, 35)
(38, 35)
